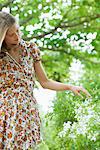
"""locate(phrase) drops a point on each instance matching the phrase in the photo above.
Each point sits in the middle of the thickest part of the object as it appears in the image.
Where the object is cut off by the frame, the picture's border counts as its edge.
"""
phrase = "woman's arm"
(54, 85)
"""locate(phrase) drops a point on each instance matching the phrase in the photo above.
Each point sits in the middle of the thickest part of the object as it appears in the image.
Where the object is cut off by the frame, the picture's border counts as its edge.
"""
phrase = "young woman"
(19, 61)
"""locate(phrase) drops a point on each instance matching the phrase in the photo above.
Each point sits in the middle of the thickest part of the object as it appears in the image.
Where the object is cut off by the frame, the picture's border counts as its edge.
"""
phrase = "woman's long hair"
(6, 21)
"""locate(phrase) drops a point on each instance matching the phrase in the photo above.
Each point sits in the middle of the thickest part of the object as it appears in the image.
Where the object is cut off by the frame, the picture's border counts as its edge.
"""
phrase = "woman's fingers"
(77, 93)
(85, 92)
(77, 89)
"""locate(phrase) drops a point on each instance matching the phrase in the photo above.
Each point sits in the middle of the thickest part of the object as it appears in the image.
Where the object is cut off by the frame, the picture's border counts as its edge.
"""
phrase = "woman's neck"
(11, 47)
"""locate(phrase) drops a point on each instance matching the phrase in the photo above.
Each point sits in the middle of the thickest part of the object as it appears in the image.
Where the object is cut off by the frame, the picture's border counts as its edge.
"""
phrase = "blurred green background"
(67, 33)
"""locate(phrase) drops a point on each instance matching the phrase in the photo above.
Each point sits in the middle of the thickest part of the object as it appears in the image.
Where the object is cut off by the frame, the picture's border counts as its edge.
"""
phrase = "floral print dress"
(19, 114)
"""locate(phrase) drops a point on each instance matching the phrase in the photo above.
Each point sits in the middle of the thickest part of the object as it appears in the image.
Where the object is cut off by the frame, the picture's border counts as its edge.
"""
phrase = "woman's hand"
(78, 89)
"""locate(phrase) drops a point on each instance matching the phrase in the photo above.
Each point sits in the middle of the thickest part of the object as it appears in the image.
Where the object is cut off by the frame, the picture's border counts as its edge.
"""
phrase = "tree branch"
(85, 20)
(25, 21)
(28, 19)
(74, 55)
(89, 18)
(6, 4)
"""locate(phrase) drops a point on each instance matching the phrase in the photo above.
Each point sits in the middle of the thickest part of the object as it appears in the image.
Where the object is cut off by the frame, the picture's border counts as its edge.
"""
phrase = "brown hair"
(6, 21)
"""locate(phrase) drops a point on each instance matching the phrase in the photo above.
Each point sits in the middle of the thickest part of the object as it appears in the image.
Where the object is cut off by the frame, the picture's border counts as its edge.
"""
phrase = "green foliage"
(80, 115)
(64, 32)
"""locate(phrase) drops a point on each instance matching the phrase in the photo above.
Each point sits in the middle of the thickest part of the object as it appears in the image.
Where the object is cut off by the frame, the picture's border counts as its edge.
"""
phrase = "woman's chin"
(15, 43)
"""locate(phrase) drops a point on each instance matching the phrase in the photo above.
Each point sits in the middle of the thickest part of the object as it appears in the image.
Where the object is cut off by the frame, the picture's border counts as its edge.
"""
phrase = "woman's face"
(12, 36)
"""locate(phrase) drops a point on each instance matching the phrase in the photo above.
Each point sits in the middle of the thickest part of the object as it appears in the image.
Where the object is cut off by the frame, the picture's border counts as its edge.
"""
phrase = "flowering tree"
(67, 32)
(74, 122)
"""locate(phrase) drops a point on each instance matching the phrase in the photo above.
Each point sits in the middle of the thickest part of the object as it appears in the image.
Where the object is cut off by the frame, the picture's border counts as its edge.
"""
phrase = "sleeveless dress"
(19, 114)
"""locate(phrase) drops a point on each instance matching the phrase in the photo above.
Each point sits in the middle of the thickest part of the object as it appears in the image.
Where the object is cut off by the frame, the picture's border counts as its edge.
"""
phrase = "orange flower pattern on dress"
(19, 115)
